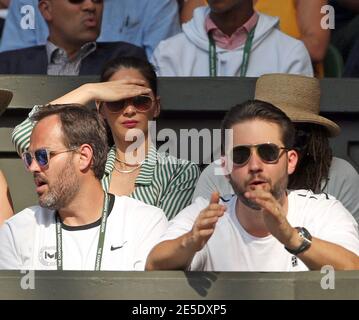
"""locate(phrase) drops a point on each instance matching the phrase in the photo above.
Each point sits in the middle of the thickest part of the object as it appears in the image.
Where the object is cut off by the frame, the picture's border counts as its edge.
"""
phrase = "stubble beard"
(63, 191)
(277, 190)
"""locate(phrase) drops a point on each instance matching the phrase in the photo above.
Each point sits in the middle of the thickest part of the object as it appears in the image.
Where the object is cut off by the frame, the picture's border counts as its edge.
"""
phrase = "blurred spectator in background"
(6, 207)
(298, 18)
(230, 39)
(71, 48)
(186, 8)
(346, 29)
(301, 19)
(345, 36)
(143, 23)
(352, 65)
(3, 12)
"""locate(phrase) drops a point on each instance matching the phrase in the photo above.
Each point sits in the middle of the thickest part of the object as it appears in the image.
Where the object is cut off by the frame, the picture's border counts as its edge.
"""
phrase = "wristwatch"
(307, 241)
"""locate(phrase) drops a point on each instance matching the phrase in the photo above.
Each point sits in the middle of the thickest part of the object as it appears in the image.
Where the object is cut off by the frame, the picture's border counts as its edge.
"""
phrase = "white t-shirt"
(231, 248)
(28, 239)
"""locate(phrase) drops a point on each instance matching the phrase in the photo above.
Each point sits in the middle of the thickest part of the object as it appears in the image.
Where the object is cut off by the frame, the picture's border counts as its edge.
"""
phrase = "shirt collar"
(52, 50)
(145, 176)
(247, 26)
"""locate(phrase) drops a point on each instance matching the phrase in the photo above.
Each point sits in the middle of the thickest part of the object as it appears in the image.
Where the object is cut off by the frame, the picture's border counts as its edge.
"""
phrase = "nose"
(129, 108)
(88, 5)
(255, 163)
(34, 166)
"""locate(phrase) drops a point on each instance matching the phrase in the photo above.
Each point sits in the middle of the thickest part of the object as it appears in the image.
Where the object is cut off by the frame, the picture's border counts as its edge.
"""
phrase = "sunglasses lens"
(115, 106)
(41, 157)
(142, 103)
(26, 156)
(76, 1)
(268, 152)
(241, 154)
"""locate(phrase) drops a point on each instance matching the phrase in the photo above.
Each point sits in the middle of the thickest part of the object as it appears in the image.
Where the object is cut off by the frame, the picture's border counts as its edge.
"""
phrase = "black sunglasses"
(268, 152)
(42, 156)
(141, 103)
(80, 1)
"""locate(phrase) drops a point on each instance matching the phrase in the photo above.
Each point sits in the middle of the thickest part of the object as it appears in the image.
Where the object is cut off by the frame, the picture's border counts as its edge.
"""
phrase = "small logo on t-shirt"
(47, 256)
(294, 261)
(117, 247)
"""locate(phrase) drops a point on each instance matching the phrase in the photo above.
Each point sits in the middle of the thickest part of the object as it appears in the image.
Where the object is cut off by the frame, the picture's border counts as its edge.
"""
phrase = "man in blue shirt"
(143, 23)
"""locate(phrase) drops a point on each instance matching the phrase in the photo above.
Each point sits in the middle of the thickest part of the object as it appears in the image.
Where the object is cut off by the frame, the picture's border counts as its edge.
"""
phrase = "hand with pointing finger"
(205, 223)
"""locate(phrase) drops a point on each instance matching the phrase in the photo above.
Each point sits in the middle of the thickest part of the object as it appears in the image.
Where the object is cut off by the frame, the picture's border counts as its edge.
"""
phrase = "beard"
(63, 190)
(277, 190)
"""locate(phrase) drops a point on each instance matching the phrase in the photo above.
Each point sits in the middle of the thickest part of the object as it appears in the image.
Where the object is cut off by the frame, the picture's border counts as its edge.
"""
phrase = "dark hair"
(315, 157)
(256, 109)
(80, 126)
(143, 66)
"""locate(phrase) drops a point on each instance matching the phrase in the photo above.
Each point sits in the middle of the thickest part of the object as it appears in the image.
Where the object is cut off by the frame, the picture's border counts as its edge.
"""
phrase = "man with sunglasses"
(77, 226)
(263, 227)
(71, 47)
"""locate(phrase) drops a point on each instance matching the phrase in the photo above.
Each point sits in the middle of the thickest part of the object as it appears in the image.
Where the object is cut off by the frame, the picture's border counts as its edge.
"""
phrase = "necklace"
(128, 164)
(127, 171)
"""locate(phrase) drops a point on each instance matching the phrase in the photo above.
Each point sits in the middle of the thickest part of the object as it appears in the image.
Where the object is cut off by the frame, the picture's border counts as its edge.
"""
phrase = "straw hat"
(5, 98)
(298, 96)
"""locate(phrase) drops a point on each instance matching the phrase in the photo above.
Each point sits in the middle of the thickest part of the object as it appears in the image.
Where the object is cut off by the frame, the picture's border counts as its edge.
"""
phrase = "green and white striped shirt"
(163, 181)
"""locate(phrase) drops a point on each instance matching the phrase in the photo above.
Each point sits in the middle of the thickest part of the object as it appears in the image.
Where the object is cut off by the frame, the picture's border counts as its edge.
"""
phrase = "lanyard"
(101, 239)
(246, 54)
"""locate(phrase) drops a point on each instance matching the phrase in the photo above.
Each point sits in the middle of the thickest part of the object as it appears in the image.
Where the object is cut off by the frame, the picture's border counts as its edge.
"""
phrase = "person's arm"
(102, 91)
(177, 254)
(315, 38)
(319, 254)
(179, 193)
(6, 206)
(188, 7)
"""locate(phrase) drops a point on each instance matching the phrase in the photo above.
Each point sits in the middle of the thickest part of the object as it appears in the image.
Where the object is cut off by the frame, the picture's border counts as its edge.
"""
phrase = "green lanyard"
(101, 239)
(246, 54)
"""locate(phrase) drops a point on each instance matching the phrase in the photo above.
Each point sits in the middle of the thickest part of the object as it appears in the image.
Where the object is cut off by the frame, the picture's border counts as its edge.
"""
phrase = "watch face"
(305, 233)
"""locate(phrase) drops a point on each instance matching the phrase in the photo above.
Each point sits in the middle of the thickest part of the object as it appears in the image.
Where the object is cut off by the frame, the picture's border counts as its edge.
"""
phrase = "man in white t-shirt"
(263, 227)
(77, 225)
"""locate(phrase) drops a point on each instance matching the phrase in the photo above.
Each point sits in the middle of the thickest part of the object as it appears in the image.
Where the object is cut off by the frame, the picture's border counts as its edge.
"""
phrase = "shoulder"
(167, 44)
(313, 205)
(29, 218)
(166, 161)
(22, 52)
(130, 207)
(342, 166)
(310, 197)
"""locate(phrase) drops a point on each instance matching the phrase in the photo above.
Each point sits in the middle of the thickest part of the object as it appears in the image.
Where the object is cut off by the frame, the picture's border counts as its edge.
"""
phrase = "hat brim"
(5, 98)
(303, 116)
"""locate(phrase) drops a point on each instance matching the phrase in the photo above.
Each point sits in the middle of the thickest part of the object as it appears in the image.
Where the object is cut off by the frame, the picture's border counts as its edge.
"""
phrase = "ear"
(45, 8)
(86, 157)
(157, 107)
(292, 161)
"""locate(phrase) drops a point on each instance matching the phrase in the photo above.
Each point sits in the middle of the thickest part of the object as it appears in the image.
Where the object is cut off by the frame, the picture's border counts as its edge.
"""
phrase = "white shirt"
(28, 239)
(231, 248)
(186, 54)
